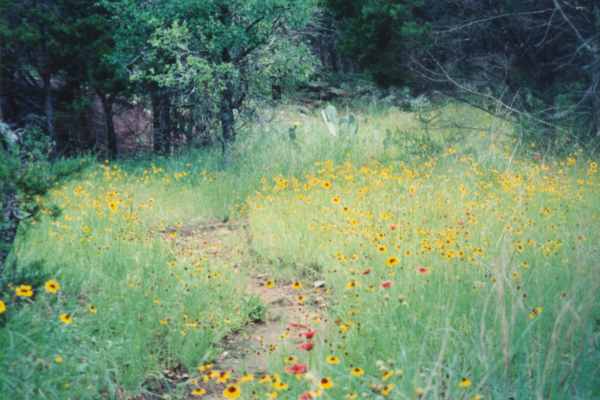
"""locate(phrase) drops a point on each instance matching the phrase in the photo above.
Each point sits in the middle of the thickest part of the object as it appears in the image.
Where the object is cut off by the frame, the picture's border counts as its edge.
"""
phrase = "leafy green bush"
(26, 174)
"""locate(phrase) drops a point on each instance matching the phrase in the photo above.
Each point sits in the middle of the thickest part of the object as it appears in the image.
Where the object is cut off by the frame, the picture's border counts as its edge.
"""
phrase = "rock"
(336, 92)
(319, 284)
(223, 356)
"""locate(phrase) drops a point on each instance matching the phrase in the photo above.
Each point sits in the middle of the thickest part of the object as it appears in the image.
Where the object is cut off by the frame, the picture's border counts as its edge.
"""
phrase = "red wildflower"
(393, 227)
(306, 396)
(423, 271)
(386, 284)
(366, 271)
(309, 334)
(297, 369)
(308, 346)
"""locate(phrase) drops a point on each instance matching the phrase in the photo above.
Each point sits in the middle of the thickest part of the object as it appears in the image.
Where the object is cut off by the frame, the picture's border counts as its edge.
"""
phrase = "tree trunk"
(8, 93)
(276, 91)
(111, 137)
(154, 99)
(165, 123)
(49, 108)
(227, 123)
(2, 101)
(8, 230)
(595, 103)
(595, 110)
(161, 121)
(333, 56)
(86, 137)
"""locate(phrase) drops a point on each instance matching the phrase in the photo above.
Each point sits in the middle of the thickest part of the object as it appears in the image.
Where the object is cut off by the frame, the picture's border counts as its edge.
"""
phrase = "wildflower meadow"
(401, 261)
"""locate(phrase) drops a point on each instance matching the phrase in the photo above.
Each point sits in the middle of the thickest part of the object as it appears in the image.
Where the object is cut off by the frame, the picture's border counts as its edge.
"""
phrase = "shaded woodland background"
(156, 73)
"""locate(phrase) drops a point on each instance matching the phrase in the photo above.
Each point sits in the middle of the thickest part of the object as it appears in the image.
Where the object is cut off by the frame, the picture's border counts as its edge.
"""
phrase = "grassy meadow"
(453, 261)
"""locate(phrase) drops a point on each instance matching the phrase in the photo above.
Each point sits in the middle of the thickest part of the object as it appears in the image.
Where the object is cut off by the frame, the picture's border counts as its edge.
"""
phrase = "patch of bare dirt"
(289, 311)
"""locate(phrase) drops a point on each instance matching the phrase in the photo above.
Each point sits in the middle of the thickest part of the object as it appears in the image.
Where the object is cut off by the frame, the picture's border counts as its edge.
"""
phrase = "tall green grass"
(495, 284)
(140, 306)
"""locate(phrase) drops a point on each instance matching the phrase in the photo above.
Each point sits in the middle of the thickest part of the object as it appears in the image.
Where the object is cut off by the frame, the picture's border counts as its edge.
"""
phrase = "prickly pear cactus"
(346, 125)
(330, 117)
(349, 125)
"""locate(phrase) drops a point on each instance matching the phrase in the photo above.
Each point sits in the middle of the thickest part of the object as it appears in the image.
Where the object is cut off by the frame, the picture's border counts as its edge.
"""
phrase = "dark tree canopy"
(380, 34)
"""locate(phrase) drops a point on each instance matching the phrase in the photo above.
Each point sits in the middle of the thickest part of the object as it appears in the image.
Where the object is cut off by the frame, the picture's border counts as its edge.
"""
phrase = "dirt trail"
(247, 351)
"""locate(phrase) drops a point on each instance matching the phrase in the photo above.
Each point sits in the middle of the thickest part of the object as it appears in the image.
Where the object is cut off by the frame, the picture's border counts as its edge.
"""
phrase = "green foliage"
(21, 179)
(26, 174)
(381, 34)
(55, 58)
(255, 309)
(408, 146)
(213, 55)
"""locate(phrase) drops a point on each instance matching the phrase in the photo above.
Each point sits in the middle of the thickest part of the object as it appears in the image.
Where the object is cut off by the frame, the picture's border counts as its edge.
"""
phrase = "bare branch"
(577, 33)
(492, 18)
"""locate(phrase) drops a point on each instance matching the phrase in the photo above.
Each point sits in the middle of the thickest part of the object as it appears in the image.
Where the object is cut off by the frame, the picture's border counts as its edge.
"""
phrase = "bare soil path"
(287, 307)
